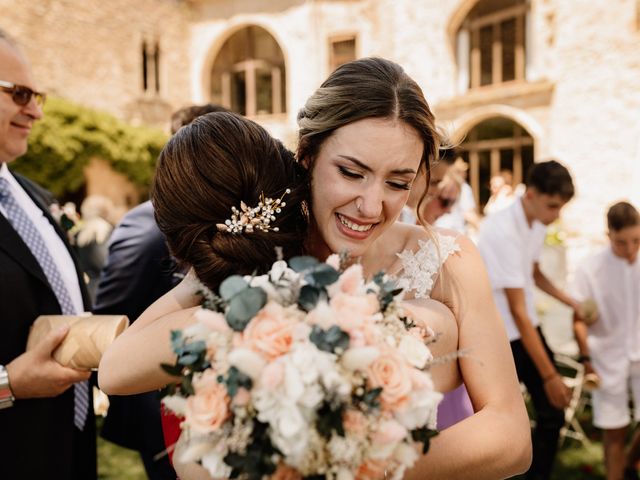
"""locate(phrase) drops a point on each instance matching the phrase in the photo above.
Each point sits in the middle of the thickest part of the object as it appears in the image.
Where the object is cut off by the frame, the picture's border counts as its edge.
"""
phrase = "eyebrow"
(400, 171)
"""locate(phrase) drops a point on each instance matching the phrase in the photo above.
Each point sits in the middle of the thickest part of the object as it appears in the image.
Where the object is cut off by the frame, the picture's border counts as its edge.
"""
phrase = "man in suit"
(46, 414)
(138, 271)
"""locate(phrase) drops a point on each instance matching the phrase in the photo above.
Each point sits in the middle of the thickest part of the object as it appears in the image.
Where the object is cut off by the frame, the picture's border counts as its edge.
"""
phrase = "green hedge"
(69, 135)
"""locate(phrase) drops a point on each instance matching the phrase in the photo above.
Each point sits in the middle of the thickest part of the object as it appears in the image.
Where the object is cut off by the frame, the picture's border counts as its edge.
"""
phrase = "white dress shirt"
(614, 340)
(56, 247)
(510, 248)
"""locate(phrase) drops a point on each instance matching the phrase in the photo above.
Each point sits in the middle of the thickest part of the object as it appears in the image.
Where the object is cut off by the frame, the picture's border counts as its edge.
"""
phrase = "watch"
(6, 395)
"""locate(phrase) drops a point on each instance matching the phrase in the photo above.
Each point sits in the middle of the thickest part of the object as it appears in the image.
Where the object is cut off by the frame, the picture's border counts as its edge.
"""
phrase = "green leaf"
(330, 420)
(322, 275)
(329, 340)
(424, 436)
(309, 297)
(299, 264)
(232, 286)
(244, 306)
(174, 370)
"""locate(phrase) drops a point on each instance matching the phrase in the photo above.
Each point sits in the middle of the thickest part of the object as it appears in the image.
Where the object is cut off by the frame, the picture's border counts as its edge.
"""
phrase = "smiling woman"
(364, 135)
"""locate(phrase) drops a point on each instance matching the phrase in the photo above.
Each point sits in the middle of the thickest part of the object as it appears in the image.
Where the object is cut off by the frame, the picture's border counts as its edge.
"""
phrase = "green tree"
(68, 136)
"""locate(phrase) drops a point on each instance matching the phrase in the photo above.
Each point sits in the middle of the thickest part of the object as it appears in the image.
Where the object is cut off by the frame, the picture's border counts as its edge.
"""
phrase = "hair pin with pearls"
(257, 218)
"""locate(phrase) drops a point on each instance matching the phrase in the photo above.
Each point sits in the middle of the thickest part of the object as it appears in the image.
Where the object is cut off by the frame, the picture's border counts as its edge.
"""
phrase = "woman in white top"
(364, 135)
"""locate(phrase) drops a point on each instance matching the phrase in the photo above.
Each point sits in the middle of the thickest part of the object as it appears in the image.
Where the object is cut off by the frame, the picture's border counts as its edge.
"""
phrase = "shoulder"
(44, 195)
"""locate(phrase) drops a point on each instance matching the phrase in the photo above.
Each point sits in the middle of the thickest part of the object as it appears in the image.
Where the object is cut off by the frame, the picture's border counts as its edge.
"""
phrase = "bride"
(364, 135)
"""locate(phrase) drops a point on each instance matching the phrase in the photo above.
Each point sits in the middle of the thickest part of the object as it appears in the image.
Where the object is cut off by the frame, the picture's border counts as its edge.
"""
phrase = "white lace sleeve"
(420, 269)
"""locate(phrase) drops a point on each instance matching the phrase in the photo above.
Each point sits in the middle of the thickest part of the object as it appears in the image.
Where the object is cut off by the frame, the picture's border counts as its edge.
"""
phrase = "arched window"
(248, 75)
(491, 43)
(492, 146)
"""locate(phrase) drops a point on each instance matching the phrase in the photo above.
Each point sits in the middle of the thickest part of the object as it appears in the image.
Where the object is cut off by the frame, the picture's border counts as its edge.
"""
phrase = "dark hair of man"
(211, 165)
(551, 178)
(622, 215)
(186, 115)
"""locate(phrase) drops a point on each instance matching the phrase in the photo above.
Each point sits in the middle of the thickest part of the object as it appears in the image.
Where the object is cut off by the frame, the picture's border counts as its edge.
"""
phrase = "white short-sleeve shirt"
(510, 248)
(56, 246)
(614, 340)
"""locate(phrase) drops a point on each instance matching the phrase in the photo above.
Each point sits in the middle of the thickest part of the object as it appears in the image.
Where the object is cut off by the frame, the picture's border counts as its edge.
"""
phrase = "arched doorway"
(494, 145)
(248, 74)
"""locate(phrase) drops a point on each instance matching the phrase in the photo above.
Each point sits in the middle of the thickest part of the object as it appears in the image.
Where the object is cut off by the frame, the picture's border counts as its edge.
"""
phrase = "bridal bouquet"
(304, 372)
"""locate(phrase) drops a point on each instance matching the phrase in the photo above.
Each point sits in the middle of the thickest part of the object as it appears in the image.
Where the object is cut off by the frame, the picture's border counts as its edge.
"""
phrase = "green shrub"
(69, 135)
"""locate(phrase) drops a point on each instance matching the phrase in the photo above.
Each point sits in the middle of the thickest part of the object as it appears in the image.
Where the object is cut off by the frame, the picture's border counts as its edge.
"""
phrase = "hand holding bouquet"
(304, 372)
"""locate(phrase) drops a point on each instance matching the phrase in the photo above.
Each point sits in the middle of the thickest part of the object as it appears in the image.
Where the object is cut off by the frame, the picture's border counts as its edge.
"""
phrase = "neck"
(528, 213)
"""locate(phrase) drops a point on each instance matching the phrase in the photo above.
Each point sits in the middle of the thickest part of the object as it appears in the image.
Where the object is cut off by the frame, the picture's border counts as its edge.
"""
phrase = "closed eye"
(349, 173)
(399, 186)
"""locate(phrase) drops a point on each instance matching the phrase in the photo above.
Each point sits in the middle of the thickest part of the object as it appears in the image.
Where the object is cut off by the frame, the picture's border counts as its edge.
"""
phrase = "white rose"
(290, 432)
(421, 410)
(359, 358)
(405, 454)
(344, 474)
(176, 404)
(247, 361)
(414, 351)
(214, 463)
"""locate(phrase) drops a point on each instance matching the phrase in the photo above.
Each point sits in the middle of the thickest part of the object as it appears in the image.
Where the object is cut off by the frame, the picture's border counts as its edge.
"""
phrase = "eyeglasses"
(21, 95)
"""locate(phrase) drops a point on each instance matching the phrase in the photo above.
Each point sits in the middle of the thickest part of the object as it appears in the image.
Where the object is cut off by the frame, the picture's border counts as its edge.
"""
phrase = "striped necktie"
(23, 225)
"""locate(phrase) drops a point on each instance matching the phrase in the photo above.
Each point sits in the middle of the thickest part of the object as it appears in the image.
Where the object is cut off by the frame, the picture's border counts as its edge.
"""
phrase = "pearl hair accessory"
(258, 218)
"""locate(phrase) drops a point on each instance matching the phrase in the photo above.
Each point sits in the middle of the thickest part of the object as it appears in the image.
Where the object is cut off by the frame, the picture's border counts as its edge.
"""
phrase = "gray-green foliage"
(68, 136)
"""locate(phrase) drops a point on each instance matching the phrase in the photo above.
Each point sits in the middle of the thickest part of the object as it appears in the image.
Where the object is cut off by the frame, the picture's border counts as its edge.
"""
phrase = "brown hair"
(186, 115)
(366, 88)
(211, 165)
(622, 215)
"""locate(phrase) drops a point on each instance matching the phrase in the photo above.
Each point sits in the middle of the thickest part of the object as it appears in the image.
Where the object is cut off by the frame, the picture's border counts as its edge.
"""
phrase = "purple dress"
(454, 407)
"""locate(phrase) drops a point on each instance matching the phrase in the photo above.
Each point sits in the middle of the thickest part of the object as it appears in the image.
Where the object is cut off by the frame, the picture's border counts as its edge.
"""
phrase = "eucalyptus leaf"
(173, 370)
(244, 306)
(299, 264)
(188, 359)
(232, 286)
(322, 275)
(309, 297)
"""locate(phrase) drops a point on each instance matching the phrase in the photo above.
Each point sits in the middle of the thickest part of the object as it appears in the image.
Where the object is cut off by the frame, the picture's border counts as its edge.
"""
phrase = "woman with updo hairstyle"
(210, 166)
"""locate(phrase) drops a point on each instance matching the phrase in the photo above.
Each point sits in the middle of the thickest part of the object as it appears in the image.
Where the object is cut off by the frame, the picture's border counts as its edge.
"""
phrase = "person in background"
(510, 242)
(463, 217)
(92, 236)
(138, 271)
(610, 346)
(502, 194)
(47, 426)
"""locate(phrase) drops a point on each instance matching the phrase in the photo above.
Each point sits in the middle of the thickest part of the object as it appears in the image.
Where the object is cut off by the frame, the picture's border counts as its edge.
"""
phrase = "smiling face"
(626, 242)
(15, 121)
(361, 179)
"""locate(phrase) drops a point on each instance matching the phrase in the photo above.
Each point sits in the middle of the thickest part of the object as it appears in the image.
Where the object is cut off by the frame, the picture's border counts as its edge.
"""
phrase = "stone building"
(514, 81)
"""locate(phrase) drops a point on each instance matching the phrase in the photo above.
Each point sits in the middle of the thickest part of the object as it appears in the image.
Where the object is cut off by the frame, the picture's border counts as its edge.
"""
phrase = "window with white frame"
(248, 74)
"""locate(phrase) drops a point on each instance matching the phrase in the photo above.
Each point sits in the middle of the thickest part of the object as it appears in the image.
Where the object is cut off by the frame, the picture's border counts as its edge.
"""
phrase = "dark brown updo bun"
(211, 165)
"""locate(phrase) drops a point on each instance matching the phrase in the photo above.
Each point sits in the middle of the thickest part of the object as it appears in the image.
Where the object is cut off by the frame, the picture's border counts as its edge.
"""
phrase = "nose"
(371, 202)
(33, 109)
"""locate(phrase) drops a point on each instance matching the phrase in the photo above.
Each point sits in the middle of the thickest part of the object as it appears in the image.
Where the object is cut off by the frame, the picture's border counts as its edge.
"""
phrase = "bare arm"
(495, 442)
(131, 364)
(557, 392)
(544, 284)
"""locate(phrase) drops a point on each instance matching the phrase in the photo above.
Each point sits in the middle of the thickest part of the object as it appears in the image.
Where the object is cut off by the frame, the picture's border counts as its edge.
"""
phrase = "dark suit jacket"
(37, 436)
(138, 271)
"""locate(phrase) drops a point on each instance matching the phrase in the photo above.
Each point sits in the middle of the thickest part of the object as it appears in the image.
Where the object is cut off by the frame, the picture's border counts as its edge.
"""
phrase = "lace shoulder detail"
(420, 268)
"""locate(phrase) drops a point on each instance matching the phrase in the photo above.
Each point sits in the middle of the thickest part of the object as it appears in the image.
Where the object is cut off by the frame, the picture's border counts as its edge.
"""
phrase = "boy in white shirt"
(510, 242)
(610, 346)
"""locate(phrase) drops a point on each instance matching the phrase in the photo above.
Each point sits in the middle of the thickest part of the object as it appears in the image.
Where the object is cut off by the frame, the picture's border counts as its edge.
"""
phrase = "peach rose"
(371, 470)
(270, 332)
(389, 432)
(352, 310)
(272, 375)
(390, 372)
(213, 320)
(355, 423)
(285, 472)
(349, 282)
(208, 408)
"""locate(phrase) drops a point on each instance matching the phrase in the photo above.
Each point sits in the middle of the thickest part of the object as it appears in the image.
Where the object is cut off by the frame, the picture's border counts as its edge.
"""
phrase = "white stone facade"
(580, 101)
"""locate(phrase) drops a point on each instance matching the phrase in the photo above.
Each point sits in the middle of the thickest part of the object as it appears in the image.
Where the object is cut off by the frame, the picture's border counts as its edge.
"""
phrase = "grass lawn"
(115, 462)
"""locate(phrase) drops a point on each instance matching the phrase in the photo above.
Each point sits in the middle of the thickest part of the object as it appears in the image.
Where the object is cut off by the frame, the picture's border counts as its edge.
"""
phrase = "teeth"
(354, 226)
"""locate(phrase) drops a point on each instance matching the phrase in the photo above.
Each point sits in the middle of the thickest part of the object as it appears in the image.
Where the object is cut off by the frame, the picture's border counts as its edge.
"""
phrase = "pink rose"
(213, 320)
(371, 470)
(348, 282)
(351, 311)
(272, 375)
(390, 372)
(270, 332)
(354, 423)
(389, 432)
(285, 472)
(208, 408)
